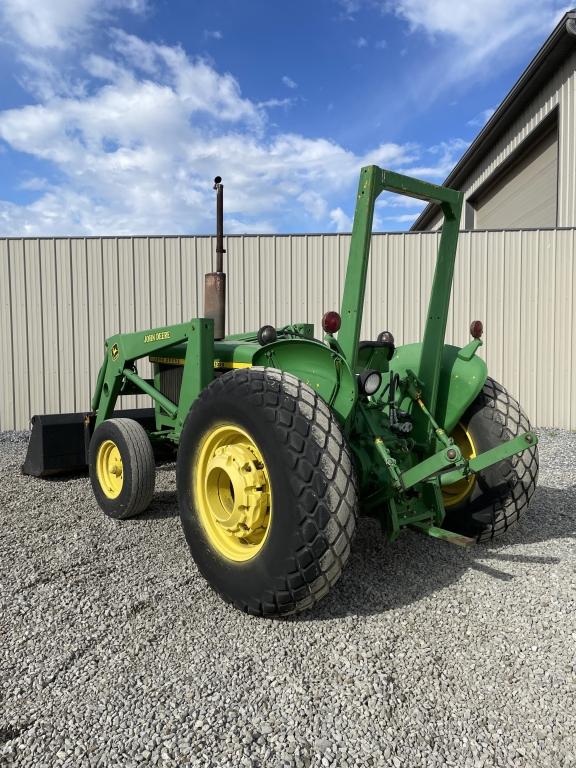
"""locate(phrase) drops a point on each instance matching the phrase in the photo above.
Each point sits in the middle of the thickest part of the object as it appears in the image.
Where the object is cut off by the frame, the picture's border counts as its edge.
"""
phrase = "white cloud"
(138, 152)
(360, 42)
(135, 148)
(381, 44)
(469, 40)
(483, 25)
(479, 120)
(443, 158)
(193, 81)
(314, 203)
(288, 82)
(350, 6)
(236, 226)
(271, 103)
(480, 30)
(403, 218)
(212, 34)
(348, 9)
(340, 220)
(45, 80)
(35, 183)
(46, 24)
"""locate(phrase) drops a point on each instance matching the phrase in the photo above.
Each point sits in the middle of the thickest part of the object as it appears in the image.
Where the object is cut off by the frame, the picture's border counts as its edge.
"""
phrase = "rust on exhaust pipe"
(215, 282)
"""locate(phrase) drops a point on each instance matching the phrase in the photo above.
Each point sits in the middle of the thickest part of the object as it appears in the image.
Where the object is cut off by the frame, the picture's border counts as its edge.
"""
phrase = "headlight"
(369, 381)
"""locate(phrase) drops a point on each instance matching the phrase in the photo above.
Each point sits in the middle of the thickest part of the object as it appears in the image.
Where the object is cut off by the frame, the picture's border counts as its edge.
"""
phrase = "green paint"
(459, 383)
(399, 472)
(323, 369)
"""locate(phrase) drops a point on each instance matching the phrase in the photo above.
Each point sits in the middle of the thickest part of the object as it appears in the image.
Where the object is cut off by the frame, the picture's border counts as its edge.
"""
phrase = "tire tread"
(142, 464)
(503, 415)
(323, 483)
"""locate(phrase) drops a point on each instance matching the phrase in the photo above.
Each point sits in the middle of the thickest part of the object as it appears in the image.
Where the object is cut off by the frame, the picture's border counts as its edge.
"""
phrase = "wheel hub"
(455, 493)
(237, 489)
(109, 469)
(232, 492)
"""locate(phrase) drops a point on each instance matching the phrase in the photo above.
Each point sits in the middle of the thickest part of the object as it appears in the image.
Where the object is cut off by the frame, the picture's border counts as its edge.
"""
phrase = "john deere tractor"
(283, 438)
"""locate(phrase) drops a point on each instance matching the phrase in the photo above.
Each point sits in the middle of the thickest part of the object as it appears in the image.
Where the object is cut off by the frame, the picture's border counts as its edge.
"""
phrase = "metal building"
(520, 171)
(60, 298)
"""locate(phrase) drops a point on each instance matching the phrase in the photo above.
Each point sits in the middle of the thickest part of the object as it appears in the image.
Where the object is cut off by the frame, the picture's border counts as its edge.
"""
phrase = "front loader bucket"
(59, 442)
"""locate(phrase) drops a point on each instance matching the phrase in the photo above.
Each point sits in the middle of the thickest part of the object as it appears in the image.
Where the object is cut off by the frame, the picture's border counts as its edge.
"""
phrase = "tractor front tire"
(267, 491)
(122, 468)
(500, 494)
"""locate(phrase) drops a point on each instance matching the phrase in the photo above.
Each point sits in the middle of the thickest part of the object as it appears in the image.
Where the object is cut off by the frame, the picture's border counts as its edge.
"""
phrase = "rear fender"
(461, 380)
(322, 368)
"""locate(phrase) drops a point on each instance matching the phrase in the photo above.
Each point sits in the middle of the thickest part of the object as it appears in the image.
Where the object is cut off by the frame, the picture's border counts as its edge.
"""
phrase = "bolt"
(528, 438)
(451, 454)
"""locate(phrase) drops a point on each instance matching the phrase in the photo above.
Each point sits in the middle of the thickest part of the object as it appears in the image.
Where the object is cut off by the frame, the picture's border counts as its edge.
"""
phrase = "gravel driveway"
(114, 651)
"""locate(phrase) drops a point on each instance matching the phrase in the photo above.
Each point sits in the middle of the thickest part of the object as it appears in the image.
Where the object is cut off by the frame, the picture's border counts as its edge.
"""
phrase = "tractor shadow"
(382, 576)
(165, 501)
(164, 505)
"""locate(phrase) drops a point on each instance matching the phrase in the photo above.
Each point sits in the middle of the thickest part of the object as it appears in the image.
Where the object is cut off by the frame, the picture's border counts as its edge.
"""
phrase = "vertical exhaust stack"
(215, 282)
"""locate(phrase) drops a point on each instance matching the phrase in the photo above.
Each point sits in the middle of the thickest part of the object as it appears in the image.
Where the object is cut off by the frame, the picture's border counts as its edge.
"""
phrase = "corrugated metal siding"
(60, 298)
(559, 92)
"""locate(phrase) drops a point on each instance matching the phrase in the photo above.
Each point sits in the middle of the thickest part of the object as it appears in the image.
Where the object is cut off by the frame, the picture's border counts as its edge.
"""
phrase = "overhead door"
(527, 194)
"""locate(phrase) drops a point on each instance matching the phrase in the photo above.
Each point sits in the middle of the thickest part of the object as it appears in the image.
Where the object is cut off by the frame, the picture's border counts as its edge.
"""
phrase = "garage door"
(526, 195)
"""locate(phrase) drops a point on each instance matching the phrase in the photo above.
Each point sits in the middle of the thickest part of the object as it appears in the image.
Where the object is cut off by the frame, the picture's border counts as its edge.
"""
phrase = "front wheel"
(122, 468)
(485, 505)
(266, 490)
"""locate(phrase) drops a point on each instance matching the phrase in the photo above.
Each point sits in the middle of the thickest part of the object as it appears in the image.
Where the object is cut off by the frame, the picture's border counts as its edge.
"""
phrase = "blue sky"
(115, 115)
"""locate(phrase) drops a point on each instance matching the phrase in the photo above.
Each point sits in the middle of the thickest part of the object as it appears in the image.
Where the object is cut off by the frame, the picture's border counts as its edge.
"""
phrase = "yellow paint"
(230, 364)
(180, 361)
(109, 469)
(232, 493)
(456, 492)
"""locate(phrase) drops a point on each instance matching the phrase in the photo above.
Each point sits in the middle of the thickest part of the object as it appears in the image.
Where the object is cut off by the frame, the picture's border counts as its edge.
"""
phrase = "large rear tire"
(266, 490)
(492, 501)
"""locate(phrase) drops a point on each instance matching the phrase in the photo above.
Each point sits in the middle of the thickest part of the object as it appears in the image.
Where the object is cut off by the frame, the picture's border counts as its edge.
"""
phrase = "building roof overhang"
(560, 44)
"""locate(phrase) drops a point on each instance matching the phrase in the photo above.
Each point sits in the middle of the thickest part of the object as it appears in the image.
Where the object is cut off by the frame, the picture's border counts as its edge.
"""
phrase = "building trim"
(546, 126)
(560, 44)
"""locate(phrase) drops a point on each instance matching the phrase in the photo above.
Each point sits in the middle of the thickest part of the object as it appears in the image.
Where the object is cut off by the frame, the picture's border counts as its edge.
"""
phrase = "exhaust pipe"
(215, 282)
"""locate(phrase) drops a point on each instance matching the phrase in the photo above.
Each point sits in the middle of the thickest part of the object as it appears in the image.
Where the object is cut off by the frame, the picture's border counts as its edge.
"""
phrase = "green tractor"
(283, 439)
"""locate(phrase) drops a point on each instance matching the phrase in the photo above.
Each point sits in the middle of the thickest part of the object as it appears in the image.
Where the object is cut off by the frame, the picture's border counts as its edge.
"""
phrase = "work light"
(369, 381)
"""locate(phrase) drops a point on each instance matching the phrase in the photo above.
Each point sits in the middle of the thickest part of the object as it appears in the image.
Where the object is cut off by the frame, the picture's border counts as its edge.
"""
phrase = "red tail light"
(331, 322)
(476, 329)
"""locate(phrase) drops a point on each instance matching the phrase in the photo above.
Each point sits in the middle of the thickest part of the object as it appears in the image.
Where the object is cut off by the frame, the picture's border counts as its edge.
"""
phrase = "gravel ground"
(115, 652)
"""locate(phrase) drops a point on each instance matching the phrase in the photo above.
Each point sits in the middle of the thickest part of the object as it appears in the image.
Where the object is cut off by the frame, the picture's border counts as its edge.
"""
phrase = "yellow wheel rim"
(109, 469)
(232, 492)
(456, 492)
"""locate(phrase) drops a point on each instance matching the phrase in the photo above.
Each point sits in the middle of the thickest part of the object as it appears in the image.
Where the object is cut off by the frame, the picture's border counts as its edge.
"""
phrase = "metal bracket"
(431, 466)
(493, 456)
(442, 533)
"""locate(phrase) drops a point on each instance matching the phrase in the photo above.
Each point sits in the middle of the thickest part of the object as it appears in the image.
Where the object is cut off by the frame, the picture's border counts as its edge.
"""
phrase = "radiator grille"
(171, 381)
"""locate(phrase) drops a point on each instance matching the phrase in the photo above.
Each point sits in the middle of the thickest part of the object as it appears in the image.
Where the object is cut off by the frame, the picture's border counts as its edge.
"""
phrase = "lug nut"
(451, 453)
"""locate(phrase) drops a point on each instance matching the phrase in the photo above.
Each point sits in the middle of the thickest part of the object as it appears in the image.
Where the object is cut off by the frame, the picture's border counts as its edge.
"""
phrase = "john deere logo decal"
(114, 351)
(158, 336)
